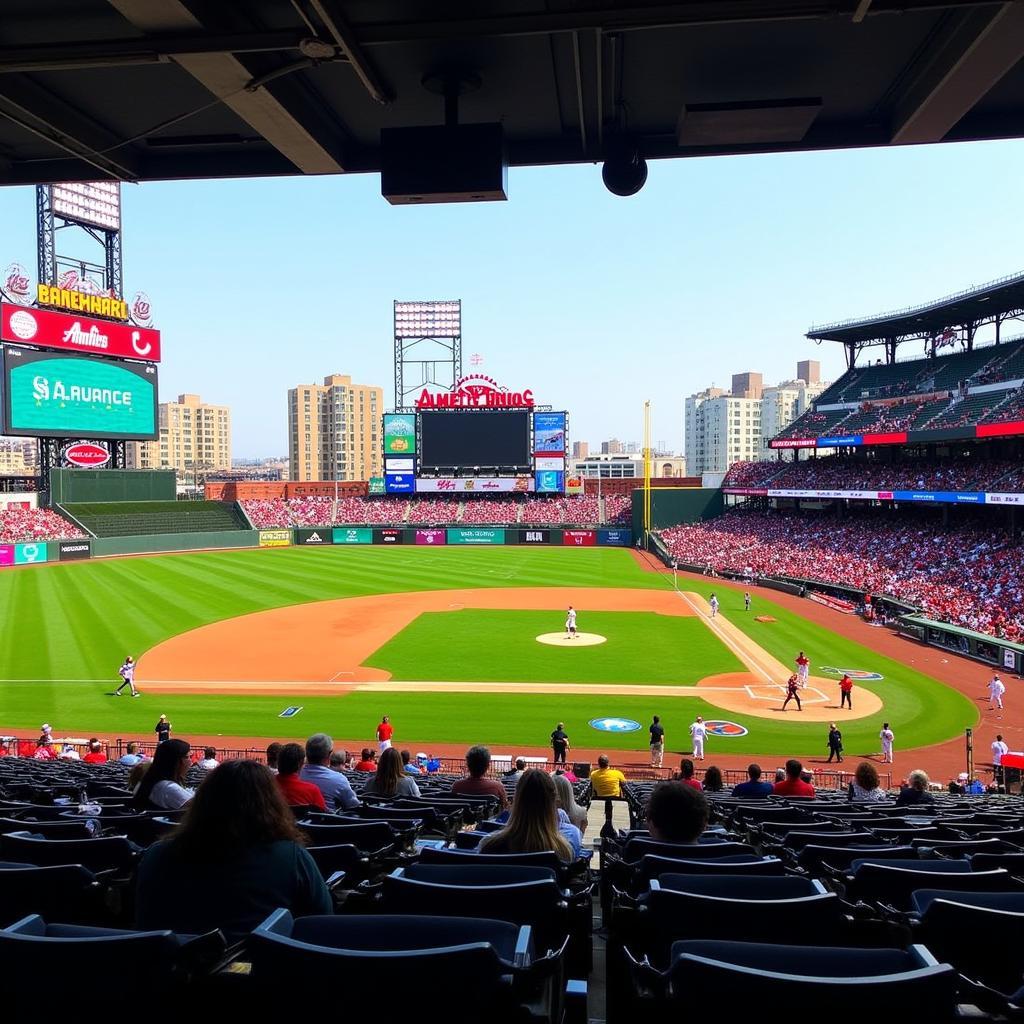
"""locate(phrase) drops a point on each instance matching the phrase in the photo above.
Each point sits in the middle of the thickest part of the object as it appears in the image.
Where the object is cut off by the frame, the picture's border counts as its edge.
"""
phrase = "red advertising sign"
(78, 333)
(793, 442)
(1000, 429)
(580, 538)
(431, 536)
(87, 454)
(476, 391)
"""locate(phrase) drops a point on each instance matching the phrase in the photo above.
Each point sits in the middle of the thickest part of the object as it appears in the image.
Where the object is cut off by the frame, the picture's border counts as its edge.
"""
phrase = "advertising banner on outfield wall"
(534, 536)
(321, 536)
(28, 554)
(6, 555)
(579, 538)
(399, 433)
(352, 535)
(1001, 498)
(476, 536)
(72, 550)
(275, 538)
(388, 537)
(474, 485)
(431, 537)
(615, 538)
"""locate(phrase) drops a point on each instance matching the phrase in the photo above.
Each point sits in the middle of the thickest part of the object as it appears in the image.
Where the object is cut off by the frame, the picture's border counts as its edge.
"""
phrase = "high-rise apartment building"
(723, 427)
(580, 449)
(334, 430)
(194, 435)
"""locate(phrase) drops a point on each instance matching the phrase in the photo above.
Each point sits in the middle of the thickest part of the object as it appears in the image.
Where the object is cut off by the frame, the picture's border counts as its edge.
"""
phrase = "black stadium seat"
(113, 853)
(455, 969)
(67, 890)
(810, 983)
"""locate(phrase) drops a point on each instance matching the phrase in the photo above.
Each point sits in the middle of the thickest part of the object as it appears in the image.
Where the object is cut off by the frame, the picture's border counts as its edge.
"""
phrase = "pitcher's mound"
(581, 639)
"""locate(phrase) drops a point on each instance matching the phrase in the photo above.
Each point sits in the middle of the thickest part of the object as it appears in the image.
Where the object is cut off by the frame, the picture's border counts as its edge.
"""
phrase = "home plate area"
(777, 692)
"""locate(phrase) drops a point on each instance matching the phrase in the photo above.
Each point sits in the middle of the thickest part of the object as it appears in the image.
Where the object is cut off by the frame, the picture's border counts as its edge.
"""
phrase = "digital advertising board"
(49, 394)
(399, 433)
(550, 482)
(399, 483)
(475, 485)
(77, 332)
(549, 433)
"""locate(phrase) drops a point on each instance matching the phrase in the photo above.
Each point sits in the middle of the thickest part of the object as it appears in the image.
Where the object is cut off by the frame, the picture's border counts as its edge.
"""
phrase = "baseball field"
(445, 641)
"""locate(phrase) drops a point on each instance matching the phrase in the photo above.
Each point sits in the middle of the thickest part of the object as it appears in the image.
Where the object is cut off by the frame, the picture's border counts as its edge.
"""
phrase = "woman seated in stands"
(676, 813)
(161, 787)
(236, 857)
(391, 778)
(865, 785)
(533, 825)
(566, 801)
(915, 791)
(713, 782)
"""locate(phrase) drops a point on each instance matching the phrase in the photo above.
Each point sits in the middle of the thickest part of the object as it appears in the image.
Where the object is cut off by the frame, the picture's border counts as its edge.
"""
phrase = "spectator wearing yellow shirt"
(605, 781)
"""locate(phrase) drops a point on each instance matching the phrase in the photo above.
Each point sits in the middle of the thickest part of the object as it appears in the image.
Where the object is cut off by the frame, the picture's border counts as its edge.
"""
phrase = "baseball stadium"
(547, 748)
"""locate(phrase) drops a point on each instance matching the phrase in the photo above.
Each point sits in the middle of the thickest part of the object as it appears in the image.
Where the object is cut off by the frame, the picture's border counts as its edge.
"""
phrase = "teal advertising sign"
(476, 536)
(352, 536)
(53, 395)
(26, 554)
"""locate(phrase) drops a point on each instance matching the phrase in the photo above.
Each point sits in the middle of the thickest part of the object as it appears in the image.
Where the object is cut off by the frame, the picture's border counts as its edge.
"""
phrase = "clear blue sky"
(719, 265)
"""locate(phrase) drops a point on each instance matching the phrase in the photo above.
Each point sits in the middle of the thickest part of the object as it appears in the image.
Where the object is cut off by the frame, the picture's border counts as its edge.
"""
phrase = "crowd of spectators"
(27, 525)
(970, 574)
(569, 511)
(268, 513)
(968, 473)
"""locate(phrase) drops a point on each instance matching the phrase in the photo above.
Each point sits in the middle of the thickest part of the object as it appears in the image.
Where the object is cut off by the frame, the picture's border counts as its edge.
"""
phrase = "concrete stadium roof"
(977, 305)
(162, 89)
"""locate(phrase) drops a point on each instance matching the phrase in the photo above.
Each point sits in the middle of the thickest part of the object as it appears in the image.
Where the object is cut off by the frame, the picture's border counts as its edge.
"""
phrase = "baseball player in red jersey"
(803, 669)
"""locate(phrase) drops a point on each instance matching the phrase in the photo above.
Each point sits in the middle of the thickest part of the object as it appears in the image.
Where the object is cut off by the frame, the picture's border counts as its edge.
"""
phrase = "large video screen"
(482, 438)
(50, 394)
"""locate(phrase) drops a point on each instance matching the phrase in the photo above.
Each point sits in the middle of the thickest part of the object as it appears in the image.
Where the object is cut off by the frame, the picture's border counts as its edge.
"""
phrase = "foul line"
(730, 643)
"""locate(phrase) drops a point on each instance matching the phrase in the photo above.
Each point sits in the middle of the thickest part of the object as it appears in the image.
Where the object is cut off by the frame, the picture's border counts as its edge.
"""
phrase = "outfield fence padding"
(159, 542)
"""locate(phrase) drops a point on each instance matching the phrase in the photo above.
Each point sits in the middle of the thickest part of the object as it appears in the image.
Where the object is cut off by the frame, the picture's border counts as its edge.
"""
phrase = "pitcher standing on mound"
(570, 624)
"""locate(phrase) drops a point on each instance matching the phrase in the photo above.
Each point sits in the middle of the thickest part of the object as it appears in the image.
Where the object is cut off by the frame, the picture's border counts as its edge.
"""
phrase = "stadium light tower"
(428, 348)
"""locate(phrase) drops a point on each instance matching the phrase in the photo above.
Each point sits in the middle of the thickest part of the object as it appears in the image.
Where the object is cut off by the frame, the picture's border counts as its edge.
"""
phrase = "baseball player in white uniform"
(999, 747)
(803, 669)
(886, 736)
(996, 689)
(698, 733)
(714, 605)
(570, 624)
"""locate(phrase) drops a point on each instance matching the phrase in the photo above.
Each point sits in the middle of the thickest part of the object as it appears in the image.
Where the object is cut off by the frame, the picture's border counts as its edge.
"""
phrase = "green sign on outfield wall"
(476, 536)
(26, 554)
(342, 535)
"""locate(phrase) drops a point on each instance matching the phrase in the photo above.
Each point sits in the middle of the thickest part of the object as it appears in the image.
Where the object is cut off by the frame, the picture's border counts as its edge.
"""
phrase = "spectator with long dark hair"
(391, 779)
(236, 857)
(533, 825)
(161, 787)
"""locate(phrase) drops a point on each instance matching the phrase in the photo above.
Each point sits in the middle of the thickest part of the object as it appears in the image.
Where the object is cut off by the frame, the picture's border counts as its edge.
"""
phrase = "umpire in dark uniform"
(835, 743)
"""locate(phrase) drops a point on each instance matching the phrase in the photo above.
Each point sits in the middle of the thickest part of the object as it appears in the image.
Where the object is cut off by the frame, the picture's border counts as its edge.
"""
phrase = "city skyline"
(595, 302)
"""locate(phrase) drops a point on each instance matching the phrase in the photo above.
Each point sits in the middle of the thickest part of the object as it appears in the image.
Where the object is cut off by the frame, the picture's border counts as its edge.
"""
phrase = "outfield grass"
(78, 620)
(478, 645)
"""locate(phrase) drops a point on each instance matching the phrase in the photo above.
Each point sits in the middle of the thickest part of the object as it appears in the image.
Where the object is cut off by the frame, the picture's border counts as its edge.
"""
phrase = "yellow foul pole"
(647, 473)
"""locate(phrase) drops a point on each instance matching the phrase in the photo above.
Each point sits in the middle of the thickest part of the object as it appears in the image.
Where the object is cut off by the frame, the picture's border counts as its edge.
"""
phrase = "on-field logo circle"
(614, 724)
(730, 730)
(853, 673)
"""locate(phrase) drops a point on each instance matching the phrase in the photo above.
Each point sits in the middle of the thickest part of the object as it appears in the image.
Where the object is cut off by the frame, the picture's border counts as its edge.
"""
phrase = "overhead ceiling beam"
(624, 18)
(143, 50)
(330, 14)
(957, 70)
(281, 113)
(37, 110)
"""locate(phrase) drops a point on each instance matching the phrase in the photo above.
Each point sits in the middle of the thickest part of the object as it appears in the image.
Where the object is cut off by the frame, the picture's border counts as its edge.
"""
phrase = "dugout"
(1002, 654)
(74, 486)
